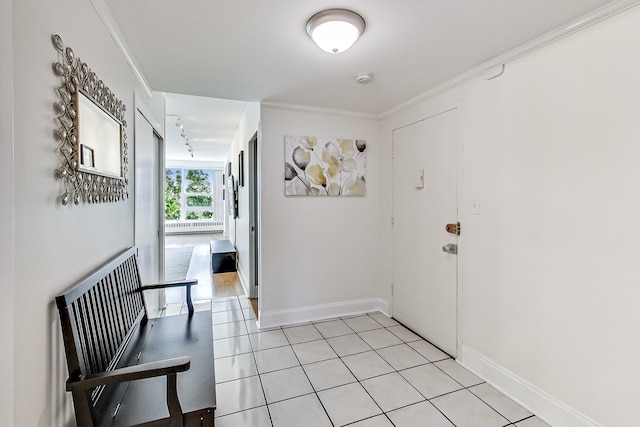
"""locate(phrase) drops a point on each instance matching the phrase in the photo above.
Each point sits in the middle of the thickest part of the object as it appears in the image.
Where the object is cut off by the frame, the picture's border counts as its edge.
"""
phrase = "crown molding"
(598, 15)
(574, 26)
(113, 29)
(321, 110)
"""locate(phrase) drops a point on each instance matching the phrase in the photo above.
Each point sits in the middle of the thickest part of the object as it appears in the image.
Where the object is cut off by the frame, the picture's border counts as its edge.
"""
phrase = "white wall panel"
(239, 228)
(320, 250)
(55, 245)
(8, 302)
(549, 266)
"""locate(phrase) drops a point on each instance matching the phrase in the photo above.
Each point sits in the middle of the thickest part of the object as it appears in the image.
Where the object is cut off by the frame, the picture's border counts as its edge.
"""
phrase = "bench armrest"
(186, 283)
(131, 373)
(167, 367)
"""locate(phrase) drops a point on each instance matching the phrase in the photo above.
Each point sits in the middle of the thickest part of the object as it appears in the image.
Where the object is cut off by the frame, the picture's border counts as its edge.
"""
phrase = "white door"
(147, 208)
(424, 276)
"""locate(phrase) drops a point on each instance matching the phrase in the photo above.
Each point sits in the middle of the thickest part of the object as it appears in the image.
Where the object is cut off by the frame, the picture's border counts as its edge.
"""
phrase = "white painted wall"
(239, 228)
(8, 301)
(550, 268)
(320, 255)
(54, 245)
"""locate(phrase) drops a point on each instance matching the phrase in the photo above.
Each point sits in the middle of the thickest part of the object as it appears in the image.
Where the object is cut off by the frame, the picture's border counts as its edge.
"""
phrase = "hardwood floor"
(226, 285)
(210, 286)
(254, 306)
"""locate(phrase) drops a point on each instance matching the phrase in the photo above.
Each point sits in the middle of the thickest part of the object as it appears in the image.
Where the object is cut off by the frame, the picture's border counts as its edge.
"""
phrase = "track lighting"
(183, 134)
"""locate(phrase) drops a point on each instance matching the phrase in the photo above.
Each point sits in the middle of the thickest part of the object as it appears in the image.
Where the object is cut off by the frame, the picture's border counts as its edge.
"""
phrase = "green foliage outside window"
(192, 215)
(199, 200)
(173, 185)
(197, 192)
(198, 181)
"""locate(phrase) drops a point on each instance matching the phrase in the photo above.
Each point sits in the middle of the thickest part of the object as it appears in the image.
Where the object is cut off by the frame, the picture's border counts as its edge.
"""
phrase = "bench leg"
(189, 302)
(175, 410)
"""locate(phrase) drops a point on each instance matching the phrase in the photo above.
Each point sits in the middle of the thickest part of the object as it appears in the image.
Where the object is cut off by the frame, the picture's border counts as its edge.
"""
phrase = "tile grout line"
(339, 357)
(358, 380)
(489, 405)
(257, 375)
(411, 385)
(253, 353)
(315, 392)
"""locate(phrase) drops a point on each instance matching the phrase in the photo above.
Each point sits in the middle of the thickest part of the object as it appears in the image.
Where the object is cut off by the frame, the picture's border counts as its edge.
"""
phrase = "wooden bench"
(126, 369)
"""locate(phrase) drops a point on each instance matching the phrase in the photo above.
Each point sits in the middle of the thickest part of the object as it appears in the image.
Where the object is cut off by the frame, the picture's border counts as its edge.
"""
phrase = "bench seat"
(171, 337)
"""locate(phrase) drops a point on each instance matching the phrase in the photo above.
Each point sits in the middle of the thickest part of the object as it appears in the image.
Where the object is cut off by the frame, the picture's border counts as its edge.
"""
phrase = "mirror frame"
(81, 183)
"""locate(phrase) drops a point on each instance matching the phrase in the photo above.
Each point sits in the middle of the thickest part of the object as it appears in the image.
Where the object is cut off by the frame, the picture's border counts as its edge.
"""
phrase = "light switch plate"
(475, 206)
(418, 179)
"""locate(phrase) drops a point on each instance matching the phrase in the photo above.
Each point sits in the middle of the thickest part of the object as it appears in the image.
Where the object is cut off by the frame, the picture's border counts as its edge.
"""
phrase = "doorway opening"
(204, 137)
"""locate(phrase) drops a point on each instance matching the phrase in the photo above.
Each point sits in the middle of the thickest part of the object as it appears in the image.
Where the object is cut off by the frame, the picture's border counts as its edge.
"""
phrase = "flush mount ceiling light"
(335, 30)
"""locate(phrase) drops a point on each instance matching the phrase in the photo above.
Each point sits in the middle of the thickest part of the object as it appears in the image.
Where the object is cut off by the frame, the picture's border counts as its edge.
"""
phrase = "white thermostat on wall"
(418, 179)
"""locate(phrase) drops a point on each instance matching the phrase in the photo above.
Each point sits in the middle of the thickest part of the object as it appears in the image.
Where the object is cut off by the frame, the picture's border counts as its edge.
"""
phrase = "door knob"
(450, 248)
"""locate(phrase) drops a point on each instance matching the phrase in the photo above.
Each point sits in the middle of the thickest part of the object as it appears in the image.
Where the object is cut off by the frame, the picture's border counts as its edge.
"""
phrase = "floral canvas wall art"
(315, 166)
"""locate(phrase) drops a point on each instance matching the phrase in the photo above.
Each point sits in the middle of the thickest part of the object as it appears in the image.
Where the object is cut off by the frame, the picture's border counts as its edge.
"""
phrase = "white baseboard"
(546, 407)
(243, 282)
(274, 318)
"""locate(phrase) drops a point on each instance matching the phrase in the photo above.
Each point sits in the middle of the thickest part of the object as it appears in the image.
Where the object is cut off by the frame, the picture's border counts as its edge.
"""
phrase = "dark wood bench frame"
(111, 343)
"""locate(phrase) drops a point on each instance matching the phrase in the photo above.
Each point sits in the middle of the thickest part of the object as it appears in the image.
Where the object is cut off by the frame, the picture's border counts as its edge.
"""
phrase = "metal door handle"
(450, 248)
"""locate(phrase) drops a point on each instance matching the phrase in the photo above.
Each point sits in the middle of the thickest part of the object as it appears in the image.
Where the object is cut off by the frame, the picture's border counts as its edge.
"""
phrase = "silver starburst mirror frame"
(91, 133)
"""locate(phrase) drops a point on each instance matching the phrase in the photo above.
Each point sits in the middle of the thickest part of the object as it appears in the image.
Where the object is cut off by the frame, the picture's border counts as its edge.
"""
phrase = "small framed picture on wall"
(87, 158)
(241, 169)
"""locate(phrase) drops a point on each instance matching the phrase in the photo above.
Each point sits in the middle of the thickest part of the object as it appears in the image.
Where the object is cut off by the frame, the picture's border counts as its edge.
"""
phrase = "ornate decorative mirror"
(91, 133)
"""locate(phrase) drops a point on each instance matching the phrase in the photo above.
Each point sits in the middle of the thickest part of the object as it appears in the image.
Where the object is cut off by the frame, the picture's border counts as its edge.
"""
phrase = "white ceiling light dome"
(335, 30)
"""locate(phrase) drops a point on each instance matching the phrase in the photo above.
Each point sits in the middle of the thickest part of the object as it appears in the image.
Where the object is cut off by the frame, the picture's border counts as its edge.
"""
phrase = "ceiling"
(250, 50)
(209, 123)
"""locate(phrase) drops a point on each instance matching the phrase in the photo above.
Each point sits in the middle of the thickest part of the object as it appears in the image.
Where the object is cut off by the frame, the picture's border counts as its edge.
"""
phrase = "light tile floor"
(360, 371)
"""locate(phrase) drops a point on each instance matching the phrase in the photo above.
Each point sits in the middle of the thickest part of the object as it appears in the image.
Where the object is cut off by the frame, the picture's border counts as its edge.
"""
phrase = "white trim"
(112, 27)
(322, 110)
(460, 218)
(9, 331)
(274, 318)
(142, 105)
(600, 14)
(243, 281)
(541, 403)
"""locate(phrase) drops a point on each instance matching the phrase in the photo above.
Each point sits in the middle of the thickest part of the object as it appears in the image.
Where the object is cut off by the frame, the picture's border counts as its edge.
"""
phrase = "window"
(192, 194)
(198, 197)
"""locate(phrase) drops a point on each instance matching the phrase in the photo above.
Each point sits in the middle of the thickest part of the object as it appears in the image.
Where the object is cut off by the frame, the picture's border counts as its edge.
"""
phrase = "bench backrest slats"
(96, 335)
(128, 274)
(107, 307)
(111, 310)
(79, 318)
(98, 315)
(116, 322)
